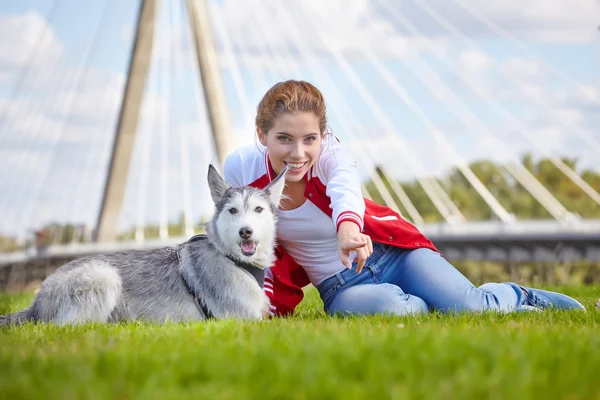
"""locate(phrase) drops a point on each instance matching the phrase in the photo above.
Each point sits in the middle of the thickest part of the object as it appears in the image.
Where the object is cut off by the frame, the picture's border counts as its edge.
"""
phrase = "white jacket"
(336, 168)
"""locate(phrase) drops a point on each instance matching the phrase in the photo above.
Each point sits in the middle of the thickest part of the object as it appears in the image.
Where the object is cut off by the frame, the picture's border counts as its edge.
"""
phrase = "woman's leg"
(350, 293)
(426, 274)
(382, 298)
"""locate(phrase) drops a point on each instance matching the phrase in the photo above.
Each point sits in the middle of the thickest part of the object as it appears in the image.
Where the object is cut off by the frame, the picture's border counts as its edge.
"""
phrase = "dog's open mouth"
(248, 247)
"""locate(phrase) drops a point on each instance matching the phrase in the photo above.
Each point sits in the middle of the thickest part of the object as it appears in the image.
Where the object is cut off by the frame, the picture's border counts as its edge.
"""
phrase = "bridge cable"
(457, 34)
(519, 172)
(526, 49)
(515, 123)
(346, 118)
(26, 70)
(448, 213)
(58, 132)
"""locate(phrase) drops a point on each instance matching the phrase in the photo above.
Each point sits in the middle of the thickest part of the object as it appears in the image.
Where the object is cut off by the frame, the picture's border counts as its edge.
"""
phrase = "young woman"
(324, 218)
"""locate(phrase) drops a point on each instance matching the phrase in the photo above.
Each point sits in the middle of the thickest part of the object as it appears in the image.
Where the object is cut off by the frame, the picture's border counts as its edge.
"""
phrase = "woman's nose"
(297, 151)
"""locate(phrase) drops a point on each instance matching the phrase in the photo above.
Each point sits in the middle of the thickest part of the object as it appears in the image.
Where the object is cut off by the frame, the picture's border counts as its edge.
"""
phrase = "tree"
(509, 192)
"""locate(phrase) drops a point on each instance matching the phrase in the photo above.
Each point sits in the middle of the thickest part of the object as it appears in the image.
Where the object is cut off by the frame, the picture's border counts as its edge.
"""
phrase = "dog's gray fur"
(163, 284)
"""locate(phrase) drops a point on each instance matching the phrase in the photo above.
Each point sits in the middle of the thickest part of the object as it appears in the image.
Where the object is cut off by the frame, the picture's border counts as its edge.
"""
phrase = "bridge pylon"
(141, 57)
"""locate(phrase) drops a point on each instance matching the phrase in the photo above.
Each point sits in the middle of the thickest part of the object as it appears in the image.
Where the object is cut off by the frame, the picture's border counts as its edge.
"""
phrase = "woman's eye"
(283, 138)
(311, 138)
(233, 211)
(258, 210)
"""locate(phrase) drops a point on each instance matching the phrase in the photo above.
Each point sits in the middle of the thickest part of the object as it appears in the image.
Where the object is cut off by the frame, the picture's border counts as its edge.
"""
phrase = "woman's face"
(295, 141)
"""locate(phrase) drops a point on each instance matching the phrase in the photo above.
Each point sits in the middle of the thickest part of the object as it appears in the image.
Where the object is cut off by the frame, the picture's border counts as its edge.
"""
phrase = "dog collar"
(257, 273)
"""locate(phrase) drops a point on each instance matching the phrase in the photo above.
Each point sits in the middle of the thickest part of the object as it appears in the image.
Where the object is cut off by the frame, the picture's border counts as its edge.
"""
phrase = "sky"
(414, 86)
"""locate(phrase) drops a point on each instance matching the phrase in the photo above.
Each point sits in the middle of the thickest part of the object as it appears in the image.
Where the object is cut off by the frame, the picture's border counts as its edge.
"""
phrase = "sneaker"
(546, 299)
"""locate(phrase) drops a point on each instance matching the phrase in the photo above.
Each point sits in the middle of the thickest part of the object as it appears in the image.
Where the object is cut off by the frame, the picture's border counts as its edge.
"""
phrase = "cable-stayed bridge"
(479, 127)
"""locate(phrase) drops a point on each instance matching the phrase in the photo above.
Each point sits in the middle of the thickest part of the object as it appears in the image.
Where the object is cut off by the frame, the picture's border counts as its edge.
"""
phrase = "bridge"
(478, 122)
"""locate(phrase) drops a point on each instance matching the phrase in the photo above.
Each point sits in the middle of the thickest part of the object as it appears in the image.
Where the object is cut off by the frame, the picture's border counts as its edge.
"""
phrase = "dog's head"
(245, 219)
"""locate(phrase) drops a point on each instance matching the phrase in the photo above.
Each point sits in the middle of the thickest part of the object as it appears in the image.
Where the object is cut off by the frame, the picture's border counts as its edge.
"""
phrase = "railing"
(482, 231)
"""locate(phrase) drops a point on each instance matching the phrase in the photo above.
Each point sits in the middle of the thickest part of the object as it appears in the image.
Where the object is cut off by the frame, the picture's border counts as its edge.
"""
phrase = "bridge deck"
(495, 241)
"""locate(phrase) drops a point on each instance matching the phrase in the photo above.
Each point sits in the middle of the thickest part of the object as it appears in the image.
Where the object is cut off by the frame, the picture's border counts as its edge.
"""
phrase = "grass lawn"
(310, 356)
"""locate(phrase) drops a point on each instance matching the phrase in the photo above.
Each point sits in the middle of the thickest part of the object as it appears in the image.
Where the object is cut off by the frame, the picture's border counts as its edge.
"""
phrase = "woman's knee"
(382, 298)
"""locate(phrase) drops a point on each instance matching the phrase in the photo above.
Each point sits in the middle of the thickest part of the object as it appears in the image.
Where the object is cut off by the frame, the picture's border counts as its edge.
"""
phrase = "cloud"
(349, 26)
(312, 24)
(59, 129)
(29, 34)
(265, 38)
(476, 61)
(553, 22)
(127, 34)
(557, 22)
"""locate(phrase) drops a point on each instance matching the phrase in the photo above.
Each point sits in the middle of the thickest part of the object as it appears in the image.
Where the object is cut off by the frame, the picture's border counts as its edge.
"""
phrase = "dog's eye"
(258, 209)
(233, 211)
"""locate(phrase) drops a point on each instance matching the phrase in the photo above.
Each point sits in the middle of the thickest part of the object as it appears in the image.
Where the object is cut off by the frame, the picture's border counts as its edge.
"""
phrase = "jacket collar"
(271, 174)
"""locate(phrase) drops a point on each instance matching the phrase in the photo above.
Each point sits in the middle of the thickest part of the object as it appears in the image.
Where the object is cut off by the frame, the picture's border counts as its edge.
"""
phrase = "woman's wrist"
(348, 227)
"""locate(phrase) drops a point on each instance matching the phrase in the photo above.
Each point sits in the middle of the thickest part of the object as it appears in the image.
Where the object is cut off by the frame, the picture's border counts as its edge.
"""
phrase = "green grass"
(310, 356)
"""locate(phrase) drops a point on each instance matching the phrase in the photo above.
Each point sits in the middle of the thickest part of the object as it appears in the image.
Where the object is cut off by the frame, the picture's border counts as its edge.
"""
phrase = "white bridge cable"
(147, 131)
(164, 91)
(33, 191)
(284, 68)
(312, 64)
(265, 76)
(448, 212)
(431, 186)
(26, 70)
(258, 74)
(231, 61)
(209, 151)
(95, 146)
(503, 33)
(184, 139)
(206, 152)
(249, 62)
(466, 116)
(82, 197)
(256, 62)
(26, 143)
(278, 64)
(515, 123)
(522, 174)
(146, 137)
(99, 142)
(50, 176)
(391, 80)
(347, 120)
(465, 40)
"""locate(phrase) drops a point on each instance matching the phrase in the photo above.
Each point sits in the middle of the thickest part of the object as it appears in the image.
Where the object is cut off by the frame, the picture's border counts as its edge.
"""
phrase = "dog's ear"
(216, 184)
(275, 188)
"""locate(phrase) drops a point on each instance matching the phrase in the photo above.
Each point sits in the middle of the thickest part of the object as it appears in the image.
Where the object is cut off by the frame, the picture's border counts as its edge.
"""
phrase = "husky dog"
(218, 275)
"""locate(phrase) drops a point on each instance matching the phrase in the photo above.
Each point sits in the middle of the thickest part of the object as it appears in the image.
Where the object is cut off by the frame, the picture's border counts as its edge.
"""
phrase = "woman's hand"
(351, 239)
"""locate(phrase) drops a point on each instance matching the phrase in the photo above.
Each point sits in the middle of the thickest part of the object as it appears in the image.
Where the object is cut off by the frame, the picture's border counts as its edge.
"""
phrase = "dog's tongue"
(249, 246)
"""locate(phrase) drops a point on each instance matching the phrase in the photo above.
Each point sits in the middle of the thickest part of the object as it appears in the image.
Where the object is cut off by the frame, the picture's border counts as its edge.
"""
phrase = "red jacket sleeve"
(283, 284)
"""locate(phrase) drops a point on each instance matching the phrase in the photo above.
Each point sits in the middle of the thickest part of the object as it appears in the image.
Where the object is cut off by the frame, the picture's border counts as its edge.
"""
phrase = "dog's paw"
(264, 312)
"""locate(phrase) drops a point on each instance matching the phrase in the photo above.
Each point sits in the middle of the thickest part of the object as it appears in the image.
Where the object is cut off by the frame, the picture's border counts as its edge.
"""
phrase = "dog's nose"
(245, 232)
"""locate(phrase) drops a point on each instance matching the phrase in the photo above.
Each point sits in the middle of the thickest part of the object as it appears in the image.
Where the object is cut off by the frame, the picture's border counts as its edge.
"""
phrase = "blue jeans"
(401, 281)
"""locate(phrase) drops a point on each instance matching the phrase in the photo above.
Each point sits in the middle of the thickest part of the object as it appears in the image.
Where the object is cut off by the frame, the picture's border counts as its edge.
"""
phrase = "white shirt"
(308, 235)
